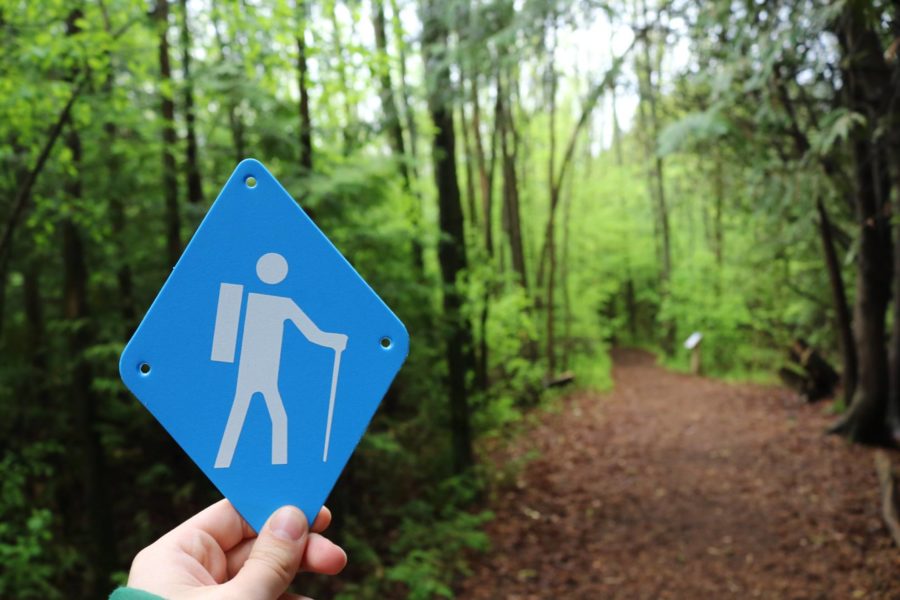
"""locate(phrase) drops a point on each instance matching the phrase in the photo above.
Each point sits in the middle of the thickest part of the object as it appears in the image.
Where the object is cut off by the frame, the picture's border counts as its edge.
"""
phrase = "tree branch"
(24, 194)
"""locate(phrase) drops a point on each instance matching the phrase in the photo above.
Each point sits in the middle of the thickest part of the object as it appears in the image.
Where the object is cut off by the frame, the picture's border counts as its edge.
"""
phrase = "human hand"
(216, 555)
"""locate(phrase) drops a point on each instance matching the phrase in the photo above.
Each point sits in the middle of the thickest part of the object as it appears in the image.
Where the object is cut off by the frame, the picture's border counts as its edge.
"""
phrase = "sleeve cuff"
(125, 593)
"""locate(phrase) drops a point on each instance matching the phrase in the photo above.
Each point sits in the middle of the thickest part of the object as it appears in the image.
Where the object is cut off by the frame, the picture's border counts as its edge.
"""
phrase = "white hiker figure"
(261, 355)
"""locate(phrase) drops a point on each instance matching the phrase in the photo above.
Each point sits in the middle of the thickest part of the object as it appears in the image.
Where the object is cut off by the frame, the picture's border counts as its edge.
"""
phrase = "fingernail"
(288, 523)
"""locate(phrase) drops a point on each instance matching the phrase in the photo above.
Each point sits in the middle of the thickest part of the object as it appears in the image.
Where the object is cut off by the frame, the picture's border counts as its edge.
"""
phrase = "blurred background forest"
(527, 183)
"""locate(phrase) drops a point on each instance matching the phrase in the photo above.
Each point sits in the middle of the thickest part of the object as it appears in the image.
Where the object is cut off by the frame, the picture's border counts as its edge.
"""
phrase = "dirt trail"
(674, 486)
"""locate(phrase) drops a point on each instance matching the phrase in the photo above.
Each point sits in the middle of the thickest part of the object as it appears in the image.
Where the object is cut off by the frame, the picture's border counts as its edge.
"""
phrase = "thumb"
(275, 557)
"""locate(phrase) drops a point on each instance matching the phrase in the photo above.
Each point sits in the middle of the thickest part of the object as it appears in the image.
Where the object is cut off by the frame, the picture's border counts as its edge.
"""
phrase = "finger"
(274, 558)
(323, 556)
(220, 520)
(322, 521)
(238, 555)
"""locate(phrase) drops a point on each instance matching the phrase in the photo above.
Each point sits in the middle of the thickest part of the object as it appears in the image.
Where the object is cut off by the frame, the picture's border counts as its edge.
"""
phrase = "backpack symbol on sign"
(260, 356)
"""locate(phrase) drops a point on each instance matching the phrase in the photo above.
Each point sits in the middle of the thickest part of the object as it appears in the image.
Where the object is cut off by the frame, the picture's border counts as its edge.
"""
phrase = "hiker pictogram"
(260, 358)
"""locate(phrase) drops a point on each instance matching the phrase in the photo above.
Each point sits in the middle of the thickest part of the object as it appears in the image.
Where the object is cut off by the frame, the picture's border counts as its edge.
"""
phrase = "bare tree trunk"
(124, 278)
(511, 218)
(409, 115)
(564, 276)
(386, 93)
(486, 184)
(893, 141)
(718, 233)
(481, 356)
(648, 94)
(485, 172)
(306, 149)
(555, 192)
(170, 140)
(863, 73)
(451, 248)
(472, 211)
(348, 132)
(841, 307)
(194, 184)
(393, 125)
(80, 394)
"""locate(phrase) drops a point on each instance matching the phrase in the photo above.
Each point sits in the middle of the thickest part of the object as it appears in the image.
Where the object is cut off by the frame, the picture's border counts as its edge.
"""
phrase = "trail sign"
(265, 354)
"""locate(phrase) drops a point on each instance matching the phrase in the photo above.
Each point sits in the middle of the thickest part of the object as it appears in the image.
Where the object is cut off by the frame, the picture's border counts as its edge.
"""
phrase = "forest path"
(673, 486)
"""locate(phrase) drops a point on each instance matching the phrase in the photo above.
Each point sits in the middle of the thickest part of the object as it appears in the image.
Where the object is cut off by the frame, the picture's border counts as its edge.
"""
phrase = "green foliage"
(428, 550)
(27, 559)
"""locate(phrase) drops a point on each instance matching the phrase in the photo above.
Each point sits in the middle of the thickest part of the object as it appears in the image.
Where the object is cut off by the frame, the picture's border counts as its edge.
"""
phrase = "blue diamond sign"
(265, 354)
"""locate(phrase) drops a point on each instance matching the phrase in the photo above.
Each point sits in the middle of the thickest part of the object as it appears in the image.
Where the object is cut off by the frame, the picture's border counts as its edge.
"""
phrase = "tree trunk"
(306, 149)
(648, 93)
(386, 93)
(348, 132)
(863, 73)
(485, 172)
(564, 276)
(893, 140)
(411, 130)
(467, 153)
(194, 185)
(393, 125)
(170, 140)
(554, 194)
(451, 248)
(79, 393)
(408, 112)
(511, 219)
(841, 307)
(124, 279)
(718, 234)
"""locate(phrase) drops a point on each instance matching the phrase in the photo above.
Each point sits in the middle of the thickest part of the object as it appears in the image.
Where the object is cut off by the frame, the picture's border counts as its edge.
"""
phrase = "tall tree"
(511, 218)
(348, 131)
(451, 248)
(557, 179)
(306, 146)
(863, 73)
(649, 91)
(392, 124)
(839, 298)
(169, 137)
(91, 462)
(194, 184)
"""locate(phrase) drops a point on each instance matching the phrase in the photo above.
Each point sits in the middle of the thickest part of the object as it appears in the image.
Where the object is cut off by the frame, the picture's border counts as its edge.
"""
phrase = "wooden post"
(695, 360)
(693, 344)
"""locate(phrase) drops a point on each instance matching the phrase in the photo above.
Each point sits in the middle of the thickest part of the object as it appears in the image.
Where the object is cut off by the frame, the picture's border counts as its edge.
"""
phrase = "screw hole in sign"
(386, 343)
(250, 181)
(144, 368)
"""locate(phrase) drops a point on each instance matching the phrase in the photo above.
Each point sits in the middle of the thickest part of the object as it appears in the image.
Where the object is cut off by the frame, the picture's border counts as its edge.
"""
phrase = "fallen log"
(890, 510)
(563, 379)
